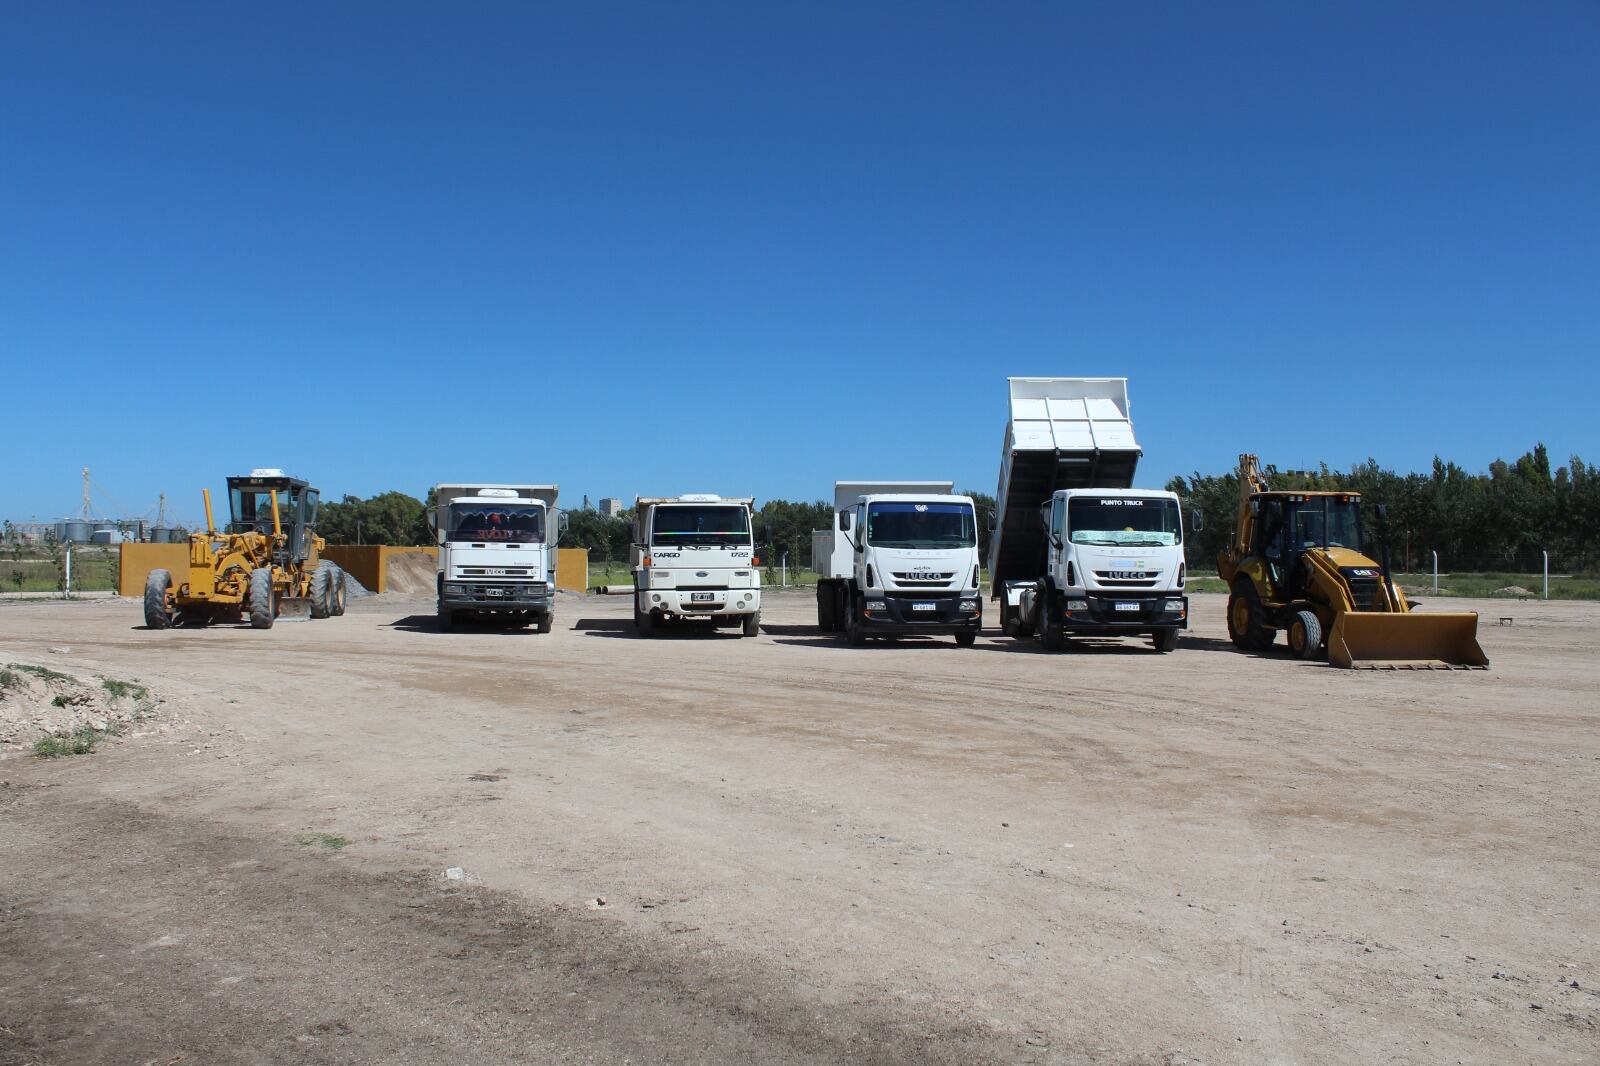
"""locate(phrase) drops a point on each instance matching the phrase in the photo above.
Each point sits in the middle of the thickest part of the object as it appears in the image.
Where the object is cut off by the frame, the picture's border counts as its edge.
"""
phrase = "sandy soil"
(701, 848)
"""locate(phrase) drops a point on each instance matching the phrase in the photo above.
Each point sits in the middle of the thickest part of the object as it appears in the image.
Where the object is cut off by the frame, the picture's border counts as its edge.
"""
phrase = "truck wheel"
(1247, 619)
(263, 601)
(446, 620)
(827, 619)
(1165, 640)
(1305, 634)
(157, 615)
(752, 625)
(1052, 635)
(336, 606)
(967, 639)
(643, 621)
(854, 633)
(547, 621)
(321, 593)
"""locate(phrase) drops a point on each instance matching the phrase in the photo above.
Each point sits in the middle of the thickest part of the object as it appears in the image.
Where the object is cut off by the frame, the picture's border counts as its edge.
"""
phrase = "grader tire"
(262, 601)
(156, 587)
(321, 591)
(336, 602)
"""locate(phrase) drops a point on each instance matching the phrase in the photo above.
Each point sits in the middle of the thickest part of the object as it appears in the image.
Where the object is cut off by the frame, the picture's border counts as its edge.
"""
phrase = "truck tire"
(854, 633)
(967, 639)
(263, 602)
(827, 609)
(752, 625)
(321, 593)
(547, 621)
(1247, 619)
(1052, 635)
(1305, 634)
(336, 607)
(643, 621)
(445, 619)
(156, 613)
(1165, 640)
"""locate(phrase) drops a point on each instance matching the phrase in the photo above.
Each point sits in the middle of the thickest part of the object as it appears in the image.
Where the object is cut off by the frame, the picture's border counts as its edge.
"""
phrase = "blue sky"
(738, 248)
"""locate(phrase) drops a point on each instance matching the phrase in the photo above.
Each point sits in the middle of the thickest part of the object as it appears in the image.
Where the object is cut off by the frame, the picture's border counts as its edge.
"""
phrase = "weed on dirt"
(81, 741)
(331, 841)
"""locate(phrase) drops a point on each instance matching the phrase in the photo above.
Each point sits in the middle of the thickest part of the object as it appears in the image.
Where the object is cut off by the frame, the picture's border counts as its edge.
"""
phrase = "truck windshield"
(708, 524)
(1129, 521)
(516, 524)
(921, 525)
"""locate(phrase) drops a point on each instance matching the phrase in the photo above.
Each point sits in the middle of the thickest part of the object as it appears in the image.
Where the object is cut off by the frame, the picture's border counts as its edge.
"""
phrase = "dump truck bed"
(1063, 433)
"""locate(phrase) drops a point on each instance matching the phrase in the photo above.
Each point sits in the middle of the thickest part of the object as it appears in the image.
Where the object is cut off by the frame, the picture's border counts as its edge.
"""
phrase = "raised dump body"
(1064, 433)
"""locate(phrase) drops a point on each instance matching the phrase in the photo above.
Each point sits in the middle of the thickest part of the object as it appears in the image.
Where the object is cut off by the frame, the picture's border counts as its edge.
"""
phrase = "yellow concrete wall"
(572, 569)
(369, 563)
(139, 559)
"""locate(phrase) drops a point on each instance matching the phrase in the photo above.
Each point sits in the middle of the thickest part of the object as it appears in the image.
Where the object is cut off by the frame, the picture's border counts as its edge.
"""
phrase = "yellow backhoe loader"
(264, 564)
(1297, 562)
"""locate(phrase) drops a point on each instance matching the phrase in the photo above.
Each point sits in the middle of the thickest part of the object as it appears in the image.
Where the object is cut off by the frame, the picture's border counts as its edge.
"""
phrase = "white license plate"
(701, 597)
(498, 592)
(1123, 605)
(924, 606)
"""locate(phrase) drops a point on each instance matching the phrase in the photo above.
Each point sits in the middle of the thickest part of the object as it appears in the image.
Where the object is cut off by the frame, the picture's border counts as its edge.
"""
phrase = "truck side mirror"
(845, 518)
(990, 521)
(433, 520)
(1197, 521)
(766, 533)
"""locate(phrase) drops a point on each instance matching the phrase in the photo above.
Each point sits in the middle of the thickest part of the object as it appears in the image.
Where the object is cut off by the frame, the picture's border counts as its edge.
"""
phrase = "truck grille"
(923, 579)
(483, 571)
(1132, 579)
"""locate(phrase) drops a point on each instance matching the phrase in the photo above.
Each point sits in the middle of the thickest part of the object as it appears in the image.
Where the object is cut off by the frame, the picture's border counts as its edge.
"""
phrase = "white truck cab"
(496, 552)
(1076, 549)
(694, 556)
(900, 560)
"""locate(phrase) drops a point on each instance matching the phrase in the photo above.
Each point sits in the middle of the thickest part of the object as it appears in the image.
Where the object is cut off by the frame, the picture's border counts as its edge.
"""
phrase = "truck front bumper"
(907, 614)
(497, 597)
(1108, 612)
(692, 601)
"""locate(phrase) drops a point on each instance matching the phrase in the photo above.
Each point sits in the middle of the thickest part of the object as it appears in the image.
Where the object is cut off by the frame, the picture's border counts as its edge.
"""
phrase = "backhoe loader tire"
(156, 586)
(1247, 619)
(1305, 635)
(1166, 640)
(321, 591)
(263, 602)
(336, 606)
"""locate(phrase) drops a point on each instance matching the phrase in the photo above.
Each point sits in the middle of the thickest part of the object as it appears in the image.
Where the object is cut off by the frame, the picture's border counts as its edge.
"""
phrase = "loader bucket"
(1370, 640)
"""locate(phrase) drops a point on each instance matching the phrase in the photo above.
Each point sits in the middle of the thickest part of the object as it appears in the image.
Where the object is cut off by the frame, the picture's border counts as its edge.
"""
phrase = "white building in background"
(610, 506)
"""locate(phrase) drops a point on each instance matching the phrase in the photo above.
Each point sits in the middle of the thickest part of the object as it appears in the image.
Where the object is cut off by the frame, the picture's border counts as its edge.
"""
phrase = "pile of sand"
(1512, 590)
(38, 702)
(412, 574)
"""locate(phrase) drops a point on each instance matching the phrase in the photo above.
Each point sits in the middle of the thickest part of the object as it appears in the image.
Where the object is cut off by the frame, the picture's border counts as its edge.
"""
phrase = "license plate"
(1123, 605)
(498, 592)
(924, 606)
(701, 597)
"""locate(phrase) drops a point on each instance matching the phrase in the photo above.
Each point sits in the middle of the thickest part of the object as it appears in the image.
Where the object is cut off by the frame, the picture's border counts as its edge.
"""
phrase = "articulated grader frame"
(1296, 562)
(264, 565)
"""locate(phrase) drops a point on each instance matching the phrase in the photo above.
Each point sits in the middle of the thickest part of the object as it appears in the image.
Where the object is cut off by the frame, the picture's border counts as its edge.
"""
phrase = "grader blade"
(1442, 640)
(294, 608)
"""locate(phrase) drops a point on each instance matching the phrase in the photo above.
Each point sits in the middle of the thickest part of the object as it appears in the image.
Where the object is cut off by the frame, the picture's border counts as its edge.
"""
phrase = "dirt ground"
(702, 848)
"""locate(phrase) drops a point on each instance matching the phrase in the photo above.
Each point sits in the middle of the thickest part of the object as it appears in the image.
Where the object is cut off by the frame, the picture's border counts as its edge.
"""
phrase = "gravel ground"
(782, 849)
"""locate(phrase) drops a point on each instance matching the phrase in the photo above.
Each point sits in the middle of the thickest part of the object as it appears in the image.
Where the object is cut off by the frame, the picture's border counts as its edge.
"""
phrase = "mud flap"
(1412, 641)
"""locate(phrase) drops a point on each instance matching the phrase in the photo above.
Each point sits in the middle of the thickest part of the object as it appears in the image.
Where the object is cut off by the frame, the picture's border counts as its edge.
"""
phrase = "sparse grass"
(9, 679)
(43, 673)
(125, 690)
(331, 841)
(94, 569)
(81, 741)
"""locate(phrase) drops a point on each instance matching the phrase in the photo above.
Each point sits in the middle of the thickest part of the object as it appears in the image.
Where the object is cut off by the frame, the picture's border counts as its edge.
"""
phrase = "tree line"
(1501, 519)
(1497, 520)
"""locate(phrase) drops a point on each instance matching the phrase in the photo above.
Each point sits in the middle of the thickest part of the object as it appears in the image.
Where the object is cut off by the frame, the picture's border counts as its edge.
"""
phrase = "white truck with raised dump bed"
(497, 555)
(694, 556)
(1076, 549)
(900, 560)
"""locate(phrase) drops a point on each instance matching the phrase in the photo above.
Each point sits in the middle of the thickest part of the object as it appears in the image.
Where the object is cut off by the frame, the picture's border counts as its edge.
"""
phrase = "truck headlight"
(1174, 605)
(969, 605)
(1077, 605)
(456, 590)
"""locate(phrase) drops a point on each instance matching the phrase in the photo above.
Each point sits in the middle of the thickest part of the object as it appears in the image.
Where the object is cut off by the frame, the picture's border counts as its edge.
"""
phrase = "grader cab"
(1298, 561)
(263, 564)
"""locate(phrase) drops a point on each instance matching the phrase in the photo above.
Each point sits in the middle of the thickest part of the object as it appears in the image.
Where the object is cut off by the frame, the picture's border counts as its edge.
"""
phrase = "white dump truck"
(1076, 549)
(695, 556)
(900, 560)
(497, 554)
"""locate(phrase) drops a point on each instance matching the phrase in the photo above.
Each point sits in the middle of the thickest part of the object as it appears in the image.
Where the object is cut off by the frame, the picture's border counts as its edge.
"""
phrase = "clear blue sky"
(732, 248)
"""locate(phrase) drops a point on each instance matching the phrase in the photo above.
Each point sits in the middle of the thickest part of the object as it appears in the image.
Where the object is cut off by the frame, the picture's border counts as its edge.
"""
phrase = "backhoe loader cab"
(1298, 562)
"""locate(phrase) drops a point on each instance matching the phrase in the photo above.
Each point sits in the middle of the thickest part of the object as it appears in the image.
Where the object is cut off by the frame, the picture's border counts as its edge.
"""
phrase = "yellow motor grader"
(1297, 562)
(265, 563)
